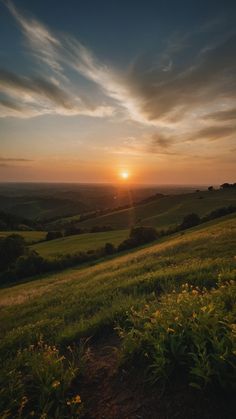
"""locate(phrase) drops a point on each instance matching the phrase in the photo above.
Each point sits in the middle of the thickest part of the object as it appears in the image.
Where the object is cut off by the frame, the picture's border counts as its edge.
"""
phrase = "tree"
(189, 221)
(11, 248)
(51, 235)
(142, 235)
(210, 188)
(109, 248)
(225, 185)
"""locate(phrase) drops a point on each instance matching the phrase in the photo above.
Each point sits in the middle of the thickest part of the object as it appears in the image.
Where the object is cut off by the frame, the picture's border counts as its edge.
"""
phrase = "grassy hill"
(77, 243)
(29, 236)
(61, 308)
(166, 211)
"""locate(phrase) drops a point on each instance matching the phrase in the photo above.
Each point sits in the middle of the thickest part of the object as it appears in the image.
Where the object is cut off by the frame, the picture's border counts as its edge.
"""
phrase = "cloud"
(161, 140)
(225, 115)
(40, 95)
(177, 97)
(211, 77)
(8, 162)
(14, 159)
(43, 44)
(214, 132)
(36, 96)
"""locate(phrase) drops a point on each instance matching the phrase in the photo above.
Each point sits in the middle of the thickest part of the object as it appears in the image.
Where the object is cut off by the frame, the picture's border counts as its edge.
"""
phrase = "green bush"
(192, 331)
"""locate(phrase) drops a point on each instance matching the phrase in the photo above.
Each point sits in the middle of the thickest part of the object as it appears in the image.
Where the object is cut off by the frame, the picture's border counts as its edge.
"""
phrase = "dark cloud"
(226, 115)
(37, 86)
(210, 78)
(11, 104)
(214, 132)
(13, 159)
(161, 140)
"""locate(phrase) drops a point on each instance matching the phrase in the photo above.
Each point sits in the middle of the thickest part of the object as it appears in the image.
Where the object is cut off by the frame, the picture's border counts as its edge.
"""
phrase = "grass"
(76, 243)
(191, 331)
(166, 211)
(62, 308)
(29, 236)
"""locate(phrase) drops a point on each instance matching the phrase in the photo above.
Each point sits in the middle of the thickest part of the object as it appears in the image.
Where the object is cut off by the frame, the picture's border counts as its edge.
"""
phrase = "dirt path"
(111, 393)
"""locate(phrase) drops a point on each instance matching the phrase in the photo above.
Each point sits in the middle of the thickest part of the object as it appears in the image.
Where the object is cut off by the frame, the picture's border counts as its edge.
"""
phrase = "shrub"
(189, 221)
(109, 249)
(51, 235)
(29, 265)
(193, 331)
(138, 236)
(11, 247)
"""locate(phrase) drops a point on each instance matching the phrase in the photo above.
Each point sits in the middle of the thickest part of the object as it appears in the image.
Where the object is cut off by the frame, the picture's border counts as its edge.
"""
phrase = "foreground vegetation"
(191, 331)
(142, 294)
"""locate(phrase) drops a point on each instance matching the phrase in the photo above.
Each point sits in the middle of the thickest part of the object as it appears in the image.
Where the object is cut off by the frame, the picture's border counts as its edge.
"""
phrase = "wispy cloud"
(161, 91)
(9, 162)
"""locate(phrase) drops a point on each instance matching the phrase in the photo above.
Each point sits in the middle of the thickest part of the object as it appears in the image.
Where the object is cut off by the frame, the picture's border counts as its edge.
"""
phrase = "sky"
(91, 90)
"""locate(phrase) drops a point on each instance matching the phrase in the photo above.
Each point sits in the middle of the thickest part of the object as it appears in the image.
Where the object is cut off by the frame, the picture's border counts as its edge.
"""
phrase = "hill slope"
(166, 211)
(61, 308)
(79, 242)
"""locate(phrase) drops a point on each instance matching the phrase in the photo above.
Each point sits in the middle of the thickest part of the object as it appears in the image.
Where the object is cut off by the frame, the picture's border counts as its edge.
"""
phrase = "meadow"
(80, 242)
(166, 211)
(40, 319)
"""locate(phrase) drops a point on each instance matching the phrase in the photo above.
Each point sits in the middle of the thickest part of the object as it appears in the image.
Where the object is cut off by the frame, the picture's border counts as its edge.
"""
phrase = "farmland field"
(81, 242)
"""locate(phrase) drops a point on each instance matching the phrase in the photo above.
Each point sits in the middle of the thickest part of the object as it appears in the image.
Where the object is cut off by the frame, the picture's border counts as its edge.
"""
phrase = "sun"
(124, 175)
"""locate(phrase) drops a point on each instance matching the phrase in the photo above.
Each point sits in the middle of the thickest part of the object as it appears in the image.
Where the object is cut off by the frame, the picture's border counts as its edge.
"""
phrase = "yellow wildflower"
(77, 399)
(56, 384)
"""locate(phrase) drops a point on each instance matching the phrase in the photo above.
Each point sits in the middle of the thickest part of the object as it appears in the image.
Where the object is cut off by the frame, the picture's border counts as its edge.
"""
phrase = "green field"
(61, 308)
(77, 243)
(166, 211)
(29, 236)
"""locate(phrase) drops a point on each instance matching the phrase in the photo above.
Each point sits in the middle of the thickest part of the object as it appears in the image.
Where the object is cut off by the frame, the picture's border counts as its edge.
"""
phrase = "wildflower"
(194, 292)
(76, 399)
(55, 384)
(170, 330)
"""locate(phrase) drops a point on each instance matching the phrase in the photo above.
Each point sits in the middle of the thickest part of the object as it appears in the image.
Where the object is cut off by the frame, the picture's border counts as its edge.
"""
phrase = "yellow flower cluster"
(75, 400)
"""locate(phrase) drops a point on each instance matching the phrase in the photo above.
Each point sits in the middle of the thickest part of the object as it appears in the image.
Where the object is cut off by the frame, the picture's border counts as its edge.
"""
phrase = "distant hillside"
(165, 211)
(53, 201)
(79, 242)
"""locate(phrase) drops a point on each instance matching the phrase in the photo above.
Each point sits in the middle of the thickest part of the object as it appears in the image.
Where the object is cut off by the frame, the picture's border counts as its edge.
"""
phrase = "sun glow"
(124, 175)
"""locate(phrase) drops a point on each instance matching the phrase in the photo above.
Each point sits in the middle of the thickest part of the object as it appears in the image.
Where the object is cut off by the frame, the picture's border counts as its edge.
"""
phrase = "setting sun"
(124, 175)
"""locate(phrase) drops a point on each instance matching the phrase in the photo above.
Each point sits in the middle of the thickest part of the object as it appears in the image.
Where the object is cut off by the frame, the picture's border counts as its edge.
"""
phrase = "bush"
(51, 235)
(189, 221)
(11, 247)
(192, 331)
(138, 236)
(219, 212)
(109, 249)
(29, 265)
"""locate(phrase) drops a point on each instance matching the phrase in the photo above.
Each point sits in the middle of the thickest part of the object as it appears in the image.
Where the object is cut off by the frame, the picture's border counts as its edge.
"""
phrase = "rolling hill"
(166, 211)
(60, 309)
(79, 242)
